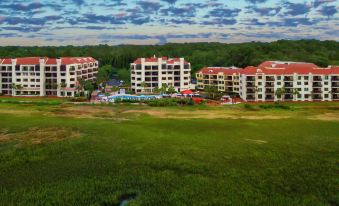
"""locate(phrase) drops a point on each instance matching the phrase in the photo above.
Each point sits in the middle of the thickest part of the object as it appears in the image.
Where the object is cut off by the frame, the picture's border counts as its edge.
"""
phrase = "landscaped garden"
(247, 154)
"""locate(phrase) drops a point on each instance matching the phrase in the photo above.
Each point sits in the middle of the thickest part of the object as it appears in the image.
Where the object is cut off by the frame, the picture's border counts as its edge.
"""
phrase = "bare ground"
(35, 136)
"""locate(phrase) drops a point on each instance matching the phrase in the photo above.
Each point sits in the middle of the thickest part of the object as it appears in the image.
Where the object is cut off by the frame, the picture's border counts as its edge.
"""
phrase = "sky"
(115, 22)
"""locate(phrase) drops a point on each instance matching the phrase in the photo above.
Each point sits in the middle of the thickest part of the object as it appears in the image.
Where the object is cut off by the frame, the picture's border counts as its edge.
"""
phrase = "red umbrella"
(187, 92)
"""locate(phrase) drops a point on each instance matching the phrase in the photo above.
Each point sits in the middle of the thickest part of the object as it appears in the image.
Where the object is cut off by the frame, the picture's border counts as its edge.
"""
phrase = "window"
(259, 96)
(326, 77)
(279, 77)
(164, 78)
(259, 77)
(299, 77)
(326, 83)
(278, 83)
(306, 77)
(299, 96)
(299, 83)
(259, 83)
(307, 96)
(326, 89)
(305, 83)
(306, 89)
(18, 80)
(326, 95)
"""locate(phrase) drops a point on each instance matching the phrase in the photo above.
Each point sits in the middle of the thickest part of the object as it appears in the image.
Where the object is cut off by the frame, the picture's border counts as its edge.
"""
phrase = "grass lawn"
(95, 155)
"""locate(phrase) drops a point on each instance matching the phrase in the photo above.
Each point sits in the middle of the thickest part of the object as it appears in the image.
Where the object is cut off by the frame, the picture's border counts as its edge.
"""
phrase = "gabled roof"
(48, 61)
(303, 69)
(217, 70)
(155, 59)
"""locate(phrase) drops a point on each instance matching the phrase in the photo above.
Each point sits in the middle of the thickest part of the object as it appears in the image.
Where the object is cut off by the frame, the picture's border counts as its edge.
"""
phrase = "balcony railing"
(336, 78)
(288, 85)
(268, 91)
(335, 84)
(270, 79)
(317, 91)
(250, 85)
(269, 84)
(250, 91)
(317, 84)
(250, 79)
(288, 79)
(317, 79)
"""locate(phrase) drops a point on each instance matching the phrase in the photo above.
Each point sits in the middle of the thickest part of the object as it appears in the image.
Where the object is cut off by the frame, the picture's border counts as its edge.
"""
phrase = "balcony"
(269, 97)
(288, 84)
(269, 84)
(250, 79)
(270, 79)
(289, 91)
(335, 84)
(288, 97)
(250, 98)
(317, 97)
(269, 91)
(317, 84)
(335, 90)
(317, 91)
(288, 79)
(317, 79)
(250, 91)
(335, 78)
(335, 96)
(250, 84)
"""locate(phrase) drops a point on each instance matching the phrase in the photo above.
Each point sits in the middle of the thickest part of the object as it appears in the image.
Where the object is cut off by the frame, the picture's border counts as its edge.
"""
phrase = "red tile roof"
(216, 70)
(155, 59)
(290, 70)
(50, 61)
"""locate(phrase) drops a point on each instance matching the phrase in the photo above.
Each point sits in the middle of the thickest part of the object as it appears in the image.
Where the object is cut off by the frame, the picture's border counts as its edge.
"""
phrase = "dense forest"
(322, 53)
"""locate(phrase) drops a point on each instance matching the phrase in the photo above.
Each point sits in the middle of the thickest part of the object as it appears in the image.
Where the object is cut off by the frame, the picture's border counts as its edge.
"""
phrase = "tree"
(144, 85)
(211, 90)
(156, 90)
(63, 85)
(280, 92)
(105, 73)
(114, 89)
(171, 90)
(295, 94)
(164, 88)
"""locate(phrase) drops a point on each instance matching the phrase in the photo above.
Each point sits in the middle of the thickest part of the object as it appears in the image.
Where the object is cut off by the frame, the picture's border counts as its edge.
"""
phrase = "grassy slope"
(172, 162)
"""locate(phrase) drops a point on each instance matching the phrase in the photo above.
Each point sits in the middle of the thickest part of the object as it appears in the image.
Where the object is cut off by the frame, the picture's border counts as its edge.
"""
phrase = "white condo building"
(275, 81)
(42, 76)
(154, 72)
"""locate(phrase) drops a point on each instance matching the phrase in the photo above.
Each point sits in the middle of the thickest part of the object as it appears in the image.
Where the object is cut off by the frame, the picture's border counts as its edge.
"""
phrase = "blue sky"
(90, 22)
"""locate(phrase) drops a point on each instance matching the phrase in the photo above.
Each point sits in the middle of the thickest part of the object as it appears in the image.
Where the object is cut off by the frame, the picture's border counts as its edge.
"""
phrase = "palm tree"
(63, 85)
(114, 89)
(144, 85)
(295, 93)
(280, 92)
(156, 90)
(164, 88)
(171, 90)
(256, 90)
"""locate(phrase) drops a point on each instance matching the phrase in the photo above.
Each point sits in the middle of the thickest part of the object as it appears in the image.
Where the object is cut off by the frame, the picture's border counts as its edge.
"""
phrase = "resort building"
(289, 81)
(275, 81)
(224, 79)
(150, 73)
(42, 76)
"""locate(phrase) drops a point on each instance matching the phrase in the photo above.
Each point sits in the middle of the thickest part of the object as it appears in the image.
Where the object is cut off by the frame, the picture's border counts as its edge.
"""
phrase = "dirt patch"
(326, 117)
(257, 141)
(204, 114)
(34, 136)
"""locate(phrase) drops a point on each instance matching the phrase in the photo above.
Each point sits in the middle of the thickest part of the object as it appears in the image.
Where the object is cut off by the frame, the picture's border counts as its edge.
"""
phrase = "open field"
(65, 154)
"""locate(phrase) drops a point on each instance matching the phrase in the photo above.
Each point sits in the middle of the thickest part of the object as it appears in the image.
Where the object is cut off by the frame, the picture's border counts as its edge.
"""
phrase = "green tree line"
(322, 53)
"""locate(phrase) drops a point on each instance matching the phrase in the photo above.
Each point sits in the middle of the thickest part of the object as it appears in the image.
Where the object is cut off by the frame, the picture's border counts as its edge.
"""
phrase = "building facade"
(150, 73)
(289, 81)
(224, 79)
(275, 81)
(42, 76)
